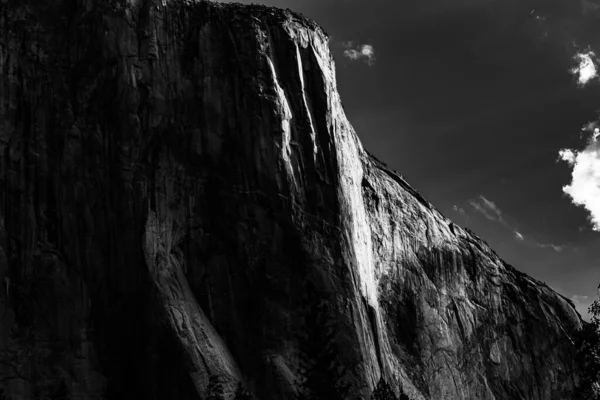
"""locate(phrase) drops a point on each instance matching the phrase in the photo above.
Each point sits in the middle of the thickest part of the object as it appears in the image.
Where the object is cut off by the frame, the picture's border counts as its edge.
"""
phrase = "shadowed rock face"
(172, 174)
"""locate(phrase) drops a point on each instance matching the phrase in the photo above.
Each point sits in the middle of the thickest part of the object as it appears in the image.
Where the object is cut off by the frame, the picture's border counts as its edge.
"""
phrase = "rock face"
(172, 174)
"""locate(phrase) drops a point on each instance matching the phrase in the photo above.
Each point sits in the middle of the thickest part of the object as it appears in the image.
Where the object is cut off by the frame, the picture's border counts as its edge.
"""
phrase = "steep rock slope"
(174, 174)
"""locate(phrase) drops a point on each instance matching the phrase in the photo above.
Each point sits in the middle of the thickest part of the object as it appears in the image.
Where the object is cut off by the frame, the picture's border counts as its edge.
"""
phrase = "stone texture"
(172, 172)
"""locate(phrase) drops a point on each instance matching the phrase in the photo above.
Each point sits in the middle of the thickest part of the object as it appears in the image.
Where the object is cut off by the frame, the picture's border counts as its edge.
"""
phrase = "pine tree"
(321, 370)
(215, 389)
(383, 391)
(587, 343)
(403, 396)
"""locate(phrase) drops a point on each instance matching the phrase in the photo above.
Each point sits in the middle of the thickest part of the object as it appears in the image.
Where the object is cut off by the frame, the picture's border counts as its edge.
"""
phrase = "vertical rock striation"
(172, 174)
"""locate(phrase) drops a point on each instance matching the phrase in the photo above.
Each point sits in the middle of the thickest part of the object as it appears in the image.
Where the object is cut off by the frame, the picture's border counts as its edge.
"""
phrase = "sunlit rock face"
(171, 174)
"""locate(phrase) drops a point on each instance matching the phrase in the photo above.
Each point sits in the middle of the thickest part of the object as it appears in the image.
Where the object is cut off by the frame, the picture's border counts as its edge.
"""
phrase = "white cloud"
(488, 208)
(586, 67)
(590, 126)
(584, 189)
(532, 242)
(360, 52)
(589, 7)
(459, 210)
(568, 155)
(554, 247)
(519, 236)
(491, 211)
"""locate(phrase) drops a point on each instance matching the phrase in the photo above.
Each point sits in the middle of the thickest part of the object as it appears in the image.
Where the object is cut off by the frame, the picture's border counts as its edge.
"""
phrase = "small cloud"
(463, 214)
(532, 242)
(577, 298)
(533, 13)
(590, 126)
(492, 206)
(589, 7)
(586, 67)
(459, 210)
(488, 208)
(359, 52)
(568, 155)
(554, 247)
(593, 128)
(541, 21)
(519, 236)
(584, 189)
(491, 211)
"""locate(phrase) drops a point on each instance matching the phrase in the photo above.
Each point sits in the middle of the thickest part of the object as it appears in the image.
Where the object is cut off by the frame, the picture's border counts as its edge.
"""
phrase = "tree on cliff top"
(587, 343)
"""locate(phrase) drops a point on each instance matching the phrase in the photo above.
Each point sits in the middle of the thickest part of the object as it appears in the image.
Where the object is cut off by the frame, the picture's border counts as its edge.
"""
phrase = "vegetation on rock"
(383, 391)
(587, 343)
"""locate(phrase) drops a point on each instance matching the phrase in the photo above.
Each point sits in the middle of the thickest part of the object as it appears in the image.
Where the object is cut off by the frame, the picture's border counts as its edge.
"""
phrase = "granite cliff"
(173, 175)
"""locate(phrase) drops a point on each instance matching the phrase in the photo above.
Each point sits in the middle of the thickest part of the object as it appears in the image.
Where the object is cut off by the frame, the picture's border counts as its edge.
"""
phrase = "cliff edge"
(173, 177)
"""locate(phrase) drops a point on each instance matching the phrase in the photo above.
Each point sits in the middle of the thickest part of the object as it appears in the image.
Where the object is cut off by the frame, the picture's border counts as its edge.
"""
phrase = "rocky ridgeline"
(180, 190)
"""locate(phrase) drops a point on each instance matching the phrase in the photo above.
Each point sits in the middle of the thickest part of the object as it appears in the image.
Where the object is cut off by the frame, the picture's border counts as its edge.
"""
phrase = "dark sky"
(472, 100)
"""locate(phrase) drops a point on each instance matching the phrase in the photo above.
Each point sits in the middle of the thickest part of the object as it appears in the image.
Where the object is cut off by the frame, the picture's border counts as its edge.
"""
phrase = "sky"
(489, 109)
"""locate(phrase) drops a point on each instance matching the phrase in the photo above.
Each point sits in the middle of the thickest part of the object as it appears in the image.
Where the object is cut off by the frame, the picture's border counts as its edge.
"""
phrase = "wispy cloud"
(589, 7)
(519, 236)
(491, 211)
(459, 210)
(534, 243)
(554, 247)
(364, 52)
(591, 126)
(462, 214)
(584, 189)
(586, 69)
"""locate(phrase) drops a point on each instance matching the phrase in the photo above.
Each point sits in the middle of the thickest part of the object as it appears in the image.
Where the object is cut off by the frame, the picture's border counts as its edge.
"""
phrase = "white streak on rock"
(348, 151)
(305, 101)
(286, 115)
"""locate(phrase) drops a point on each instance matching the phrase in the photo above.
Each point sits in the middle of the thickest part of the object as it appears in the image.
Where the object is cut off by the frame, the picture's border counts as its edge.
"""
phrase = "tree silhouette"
(587, 344)
(403, 396)
(320, 368)
(383, 391)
